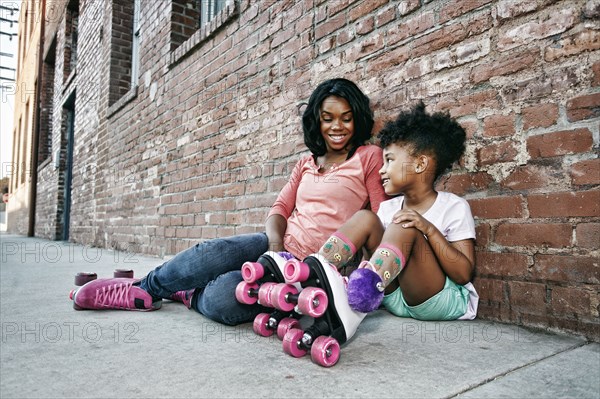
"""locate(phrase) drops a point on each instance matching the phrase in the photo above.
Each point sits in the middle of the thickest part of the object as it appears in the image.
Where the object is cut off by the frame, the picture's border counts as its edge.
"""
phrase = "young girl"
(422, 241)
(327, 187)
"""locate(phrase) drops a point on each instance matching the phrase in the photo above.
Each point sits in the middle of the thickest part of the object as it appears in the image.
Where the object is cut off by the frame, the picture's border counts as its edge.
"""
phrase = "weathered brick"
(505, 65)
(499, 125)
(588, 236)
(584, 107)
(531, 177)
(560, 143)
(565, 204)
(596, 74)
(588, 40)
(585, 172)
(489, 290)
(557, 22)
(497, 207)
(527, 297)
(482, 233)
(572, 301)
(543, 115)
(454, 8)
(461, 184)
(562, 268)
(497, 152)
(407, 6)
(553, 235)
(501, 264)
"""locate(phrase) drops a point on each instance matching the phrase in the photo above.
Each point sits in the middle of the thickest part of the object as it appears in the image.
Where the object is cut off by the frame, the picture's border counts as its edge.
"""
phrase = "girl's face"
(400, 169)
(337, 123)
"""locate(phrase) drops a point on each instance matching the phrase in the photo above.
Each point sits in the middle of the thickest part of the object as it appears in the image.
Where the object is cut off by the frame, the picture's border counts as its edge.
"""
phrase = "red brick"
(588, 40)
(534, 235)
(530, 177)
(572, 301)
(596, 74)
(489, 290)
(565, 204)
(588, 235)
(506, 65)
(558, 22)
(405, 7)
(329, 26)
(365, 26)
(566, 268)
(454, 8)
(469, 104)
(364, 7)
(439, 39)
(482, 235)
(560, 143)
(527, 297)
(497, 207)
(585, 172)
(386, 16)
(411, 27)
(499, 125)
(496, 152)
(584, 107)
(460, 184)
(500, 264)
(543, 115)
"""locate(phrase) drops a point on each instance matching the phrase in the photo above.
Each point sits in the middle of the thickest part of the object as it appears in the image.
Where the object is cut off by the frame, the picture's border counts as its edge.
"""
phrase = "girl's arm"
(457, 258)
(276, 225)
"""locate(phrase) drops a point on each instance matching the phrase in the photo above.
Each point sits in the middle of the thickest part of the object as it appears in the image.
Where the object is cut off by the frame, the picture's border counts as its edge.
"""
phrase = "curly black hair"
(361, 113)
(437, 135)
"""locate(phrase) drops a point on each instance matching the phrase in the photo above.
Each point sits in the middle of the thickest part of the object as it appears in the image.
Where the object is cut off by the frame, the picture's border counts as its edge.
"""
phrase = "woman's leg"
(217, 301)
(197, 266)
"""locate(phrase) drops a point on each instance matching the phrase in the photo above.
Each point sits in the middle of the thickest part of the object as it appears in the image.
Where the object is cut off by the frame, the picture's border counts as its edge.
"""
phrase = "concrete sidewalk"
(50, 350)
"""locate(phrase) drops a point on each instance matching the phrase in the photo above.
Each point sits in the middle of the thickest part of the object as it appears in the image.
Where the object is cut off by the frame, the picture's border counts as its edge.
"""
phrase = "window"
(209, 9)
(193, 21)
(71, 38)
(47, 104)
(124, 52)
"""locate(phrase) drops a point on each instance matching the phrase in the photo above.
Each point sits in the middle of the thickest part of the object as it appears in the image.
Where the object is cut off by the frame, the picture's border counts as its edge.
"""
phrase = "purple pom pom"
(286, 255)
(363, 294)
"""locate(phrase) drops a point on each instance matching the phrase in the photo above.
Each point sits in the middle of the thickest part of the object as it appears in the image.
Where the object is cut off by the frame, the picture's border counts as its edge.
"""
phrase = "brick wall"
(202, 145)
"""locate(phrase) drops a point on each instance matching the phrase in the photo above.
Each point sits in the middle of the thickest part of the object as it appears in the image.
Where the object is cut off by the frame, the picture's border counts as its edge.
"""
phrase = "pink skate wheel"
(252, 271)
(123, 273)
(290, 343)
(242, 293)
(325, 351)
(260, 325)
(83, 278)
(264, 294)
(279, 294)
(295, 271)
(285, 325)
(312, 302)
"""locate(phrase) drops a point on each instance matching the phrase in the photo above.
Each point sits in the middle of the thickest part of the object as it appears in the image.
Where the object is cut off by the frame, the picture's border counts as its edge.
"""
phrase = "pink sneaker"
(113, 293)
(183, 296)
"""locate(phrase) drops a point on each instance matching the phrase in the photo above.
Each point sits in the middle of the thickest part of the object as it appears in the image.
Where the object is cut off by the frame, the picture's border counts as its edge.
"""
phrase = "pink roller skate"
(113, 293)
(335, 325)
(262, 279)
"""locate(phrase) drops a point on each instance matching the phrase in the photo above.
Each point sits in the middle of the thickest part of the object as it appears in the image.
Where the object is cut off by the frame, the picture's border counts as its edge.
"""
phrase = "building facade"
(167, 122)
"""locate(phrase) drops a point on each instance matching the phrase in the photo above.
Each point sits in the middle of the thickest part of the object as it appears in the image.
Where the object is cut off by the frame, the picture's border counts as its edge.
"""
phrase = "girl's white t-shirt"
(452, 216)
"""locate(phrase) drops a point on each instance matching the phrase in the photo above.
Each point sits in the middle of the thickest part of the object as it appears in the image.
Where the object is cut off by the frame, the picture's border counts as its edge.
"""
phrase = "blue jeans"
(213, 269)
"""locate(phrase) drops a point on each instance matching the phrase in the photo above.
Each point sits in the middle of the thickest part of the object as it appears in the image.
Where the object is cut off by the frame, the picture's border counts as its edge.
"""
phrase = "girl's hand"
(410, 218)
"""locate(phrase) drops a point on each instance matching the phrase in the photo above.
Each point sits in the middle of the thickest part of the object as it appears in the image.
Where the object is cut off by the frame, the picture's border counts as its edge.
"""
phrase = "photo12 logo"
(54, 332)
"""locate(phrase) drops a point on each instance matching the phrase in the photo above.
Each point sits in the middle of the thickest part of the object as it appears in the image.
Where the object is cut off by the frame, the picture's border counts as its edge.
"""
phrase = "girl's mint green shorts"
(448, 304)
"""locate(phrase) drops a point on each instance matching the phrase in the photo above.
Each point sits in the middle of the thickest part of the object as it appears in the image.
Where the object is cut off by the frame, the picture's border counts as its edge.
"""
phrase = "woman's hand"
(410, 218)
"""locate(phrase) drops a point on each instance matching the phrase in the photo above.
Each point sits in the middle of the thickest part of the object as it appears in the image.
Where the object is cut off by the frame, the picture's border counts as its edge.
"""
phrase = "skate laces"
(114, 296)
